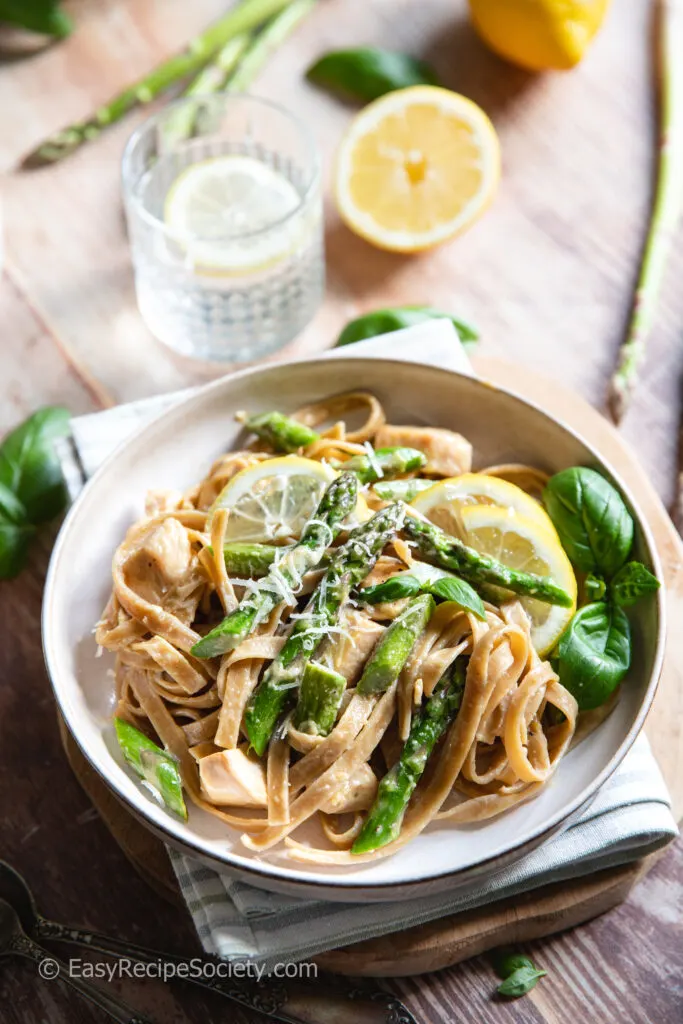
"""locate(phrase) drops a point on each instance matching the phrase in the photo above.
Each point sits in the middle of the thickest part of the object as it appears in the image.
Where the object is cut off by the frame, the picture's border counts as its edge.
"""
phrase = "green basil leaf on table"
(366, 73)
(29, 466)
(15, 534)
(506, 961)
(384, 321)
(632, 582)
(591, 518)
(520, 981)
(42, 16)
(594, 653)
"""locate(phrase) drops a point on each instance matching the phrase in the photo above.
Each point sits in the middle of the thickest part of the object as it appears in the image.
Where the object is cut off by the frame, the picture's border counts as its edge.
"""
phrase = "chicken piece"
(230, 777)
(161, 561)
(355, 793)
(350, 655)
(448, 453)
(162, 501)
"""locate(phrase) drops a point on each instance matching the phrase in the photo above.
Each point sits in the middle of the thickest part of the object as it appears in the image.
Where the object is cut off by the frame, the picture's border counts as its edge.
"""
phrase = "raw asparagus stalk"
(180, 123)
(352, 563)
(250, 561)
(666, 211)
(450, 553)
(266, 42)
(383, 823)
(385, 462)
(153, 764)
(281, 432)
(240, 19)
(337, 502)
(320, 695)
(401, 490)
(393, 649)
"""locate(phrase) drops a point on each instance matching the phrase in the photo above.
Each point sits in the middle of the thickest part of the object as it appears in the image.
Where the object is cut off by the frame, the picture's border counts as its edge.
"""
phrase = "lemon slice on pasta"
(525, 544)
(444, 502)
(273, 500)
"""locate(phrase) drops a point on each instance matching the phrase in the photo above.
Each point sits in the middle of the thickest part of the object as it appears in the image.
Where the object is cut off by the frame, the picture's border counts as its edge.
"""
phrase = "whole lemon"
(539, 34)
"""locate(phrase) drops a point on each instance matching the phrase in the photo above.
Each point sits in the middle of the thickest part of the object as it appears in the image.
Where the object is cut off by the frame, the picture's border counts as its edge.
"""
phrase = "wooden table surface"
(546, 275)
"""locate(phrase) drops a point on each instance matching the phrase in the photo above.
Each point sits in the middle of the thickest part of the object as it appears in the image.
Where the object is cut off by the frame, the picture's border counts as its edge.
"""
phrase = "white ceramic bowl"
(175, 451)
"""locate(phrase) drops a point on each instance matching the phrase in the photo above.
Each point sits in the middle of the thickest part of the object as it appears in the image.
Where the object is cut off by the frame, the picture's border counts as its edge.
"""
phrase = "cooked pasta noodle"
(171, 586)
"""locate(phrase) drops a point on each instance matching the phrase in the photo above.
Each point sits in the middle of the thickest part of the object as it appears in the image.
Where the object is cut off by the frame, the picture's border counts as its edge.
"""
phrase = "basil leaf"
(520, 981)
(29, 466)
(451, 588)
(632, 582)
(507, 961)
(366, 73)
(393, 589)
(15, 534)
(43, 16)
(594, 653)
(589, 514)
(384, 321)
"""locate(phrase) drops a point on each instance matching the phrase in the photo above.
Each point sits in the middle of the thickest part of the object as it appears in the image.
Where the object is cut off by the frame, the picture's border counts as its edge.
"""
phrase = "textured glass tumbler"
(231, 293)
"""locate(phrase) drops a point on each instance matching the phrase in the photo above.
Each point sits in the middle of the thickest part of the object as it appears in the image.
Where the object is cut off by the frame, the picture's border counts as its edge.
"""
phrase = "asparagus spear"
(383, 823)
(666, 212)
(266, 42)
(337, 502)
(250, 560)
(180, 123)
(401, 490)
(153, 764)
(393, 649)
(350, 565)
(384, 462)
(450, 553)
(320, 695)
(282, 432)
(243, 18)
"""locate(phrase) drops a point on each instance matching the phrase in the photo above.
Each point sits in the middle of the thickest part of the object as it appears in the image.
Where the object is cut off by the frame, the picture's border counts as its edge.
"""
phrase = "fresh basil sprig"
(32, 488)
(436, 582)
(384, 321)
(366, 73)
(632, 582)
(518, 972)
(594, 653)
(591, 518)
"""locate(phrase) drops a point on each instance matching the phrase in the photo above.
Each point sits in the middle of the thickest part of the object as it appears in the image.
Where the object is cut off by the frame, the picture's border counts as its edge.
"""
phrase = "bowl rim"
(260, 872)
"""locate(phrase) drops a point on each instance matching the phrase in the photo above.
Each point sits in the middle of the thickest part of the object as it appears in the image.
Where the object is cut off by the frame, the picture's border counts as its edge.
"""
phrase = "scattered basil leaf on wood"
(506, 961)
(591, 518)
(366, 73)
(42, 16)
(520, 981)
(384, 321)
(632, 582)
(594, 653)
(32, 488)
(446, 587)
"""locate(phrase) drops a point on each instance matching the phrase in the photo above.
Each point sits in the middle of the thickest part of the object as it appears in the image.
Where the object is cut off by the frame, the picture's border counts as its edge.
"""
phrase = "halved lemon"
(444, 502)
(523, 543)
(274, 499)
(416, 167)
(217, 209)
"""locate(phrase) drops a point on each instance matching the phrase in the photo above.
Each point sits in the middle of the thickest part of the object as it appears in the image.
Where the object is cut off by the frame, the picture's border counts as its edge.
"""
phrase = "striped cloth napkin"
(630, 817)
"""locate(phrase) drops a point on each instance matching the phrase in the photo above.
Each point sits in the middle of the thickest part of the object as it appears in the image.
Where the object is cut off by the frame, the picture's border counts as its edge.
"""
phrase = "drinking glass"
(247, 282)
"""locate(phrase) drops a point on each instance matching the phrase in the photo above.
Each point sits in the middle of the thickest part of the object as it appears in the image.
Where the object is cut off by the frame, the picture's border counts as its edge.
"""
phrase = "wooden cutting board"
(542, 912)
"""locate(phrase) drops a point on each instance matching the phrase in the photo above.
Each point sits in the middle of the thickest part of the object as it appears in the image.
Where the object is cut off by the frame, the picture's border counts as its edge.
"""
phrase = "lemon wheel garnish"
(444, 502)
(217, 210)
(523, 543)
(416, 167)
(274, 499)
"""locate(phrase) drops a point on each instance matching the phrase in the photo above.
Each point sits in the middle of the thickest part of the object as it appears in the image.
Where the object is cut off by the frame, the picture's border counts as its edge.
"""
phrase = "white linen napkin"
(630, 817)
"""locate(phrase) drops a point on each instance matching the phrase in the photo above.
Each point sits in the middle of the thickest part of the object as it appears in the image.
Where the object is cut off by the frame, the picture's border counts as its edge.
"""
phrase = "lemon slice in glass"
(444, 502)
(525, 544)
(225, 213)
(274, 499)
